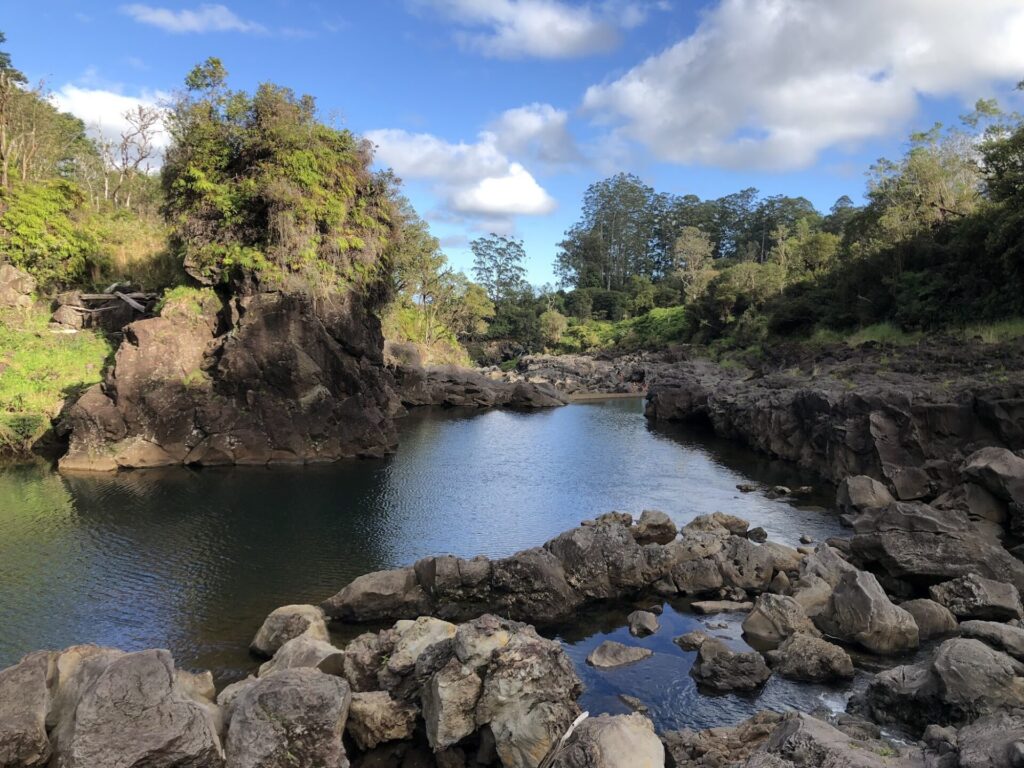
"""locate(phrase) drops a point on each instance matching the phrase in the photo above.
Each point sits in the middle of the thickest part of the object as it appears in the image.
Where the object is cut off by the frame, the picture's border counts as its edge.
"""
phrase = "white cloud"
(548, 29)
(102, 111)
(473, 180)
(205, 18)
(539, 131)
(773, 83)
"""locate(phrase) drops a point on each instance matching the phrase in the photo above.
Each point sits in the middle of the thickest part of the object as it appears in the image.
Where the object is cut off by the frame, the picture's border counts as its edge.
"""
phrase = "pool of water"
(193, 560)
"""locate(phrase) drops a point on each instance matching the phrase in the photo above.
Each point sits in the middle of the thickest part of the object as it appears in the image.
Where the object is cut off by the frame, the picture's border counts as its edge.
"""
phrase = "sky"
(498, 114)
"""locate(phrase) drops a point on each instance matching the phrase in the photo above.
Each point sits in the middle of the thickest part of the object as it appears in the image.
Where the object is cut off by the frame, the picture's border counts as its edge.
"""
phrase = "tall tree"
(498, 266)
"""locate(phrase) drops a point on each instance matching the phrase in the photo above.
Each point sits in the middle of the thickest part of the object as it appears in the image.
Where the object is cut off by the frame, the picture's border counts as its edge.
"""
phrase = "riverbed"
(193, 560)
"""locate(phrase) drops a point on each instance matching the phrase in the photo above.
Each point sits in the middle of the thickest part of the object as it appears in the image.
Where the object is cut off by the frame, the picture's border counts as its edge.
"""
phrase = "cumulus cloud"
(103, 111)
(538, 131)
(205, 18)
(475, 180)
(772, 83)
(548, 29)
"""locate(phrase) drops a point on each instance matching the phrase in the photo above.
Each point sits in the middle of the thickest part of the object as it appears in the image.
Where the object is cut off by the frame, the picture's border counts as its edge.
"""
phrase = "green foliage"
(188, 301)
(259, 191)
(553, 325)
(883, 333)
(498, 267)
(42, 233)
(40, 370)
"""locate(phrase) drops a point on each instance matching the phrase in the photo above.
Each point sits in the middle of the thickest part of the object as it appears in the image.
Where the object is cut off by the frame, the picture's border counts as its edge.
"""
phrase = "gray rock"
(381, 595)
(364, 657)
(306, 650)
(810, 658)
(654, 528)
(1002, 637)
(131, 710)
(974, 597)
(993, 741)
(721, 746)
(813, 593)
(412, 638)
(860, 612)
(642, 623)
(758, 535)
(775, 618)
(709, 607)
(932, 619)
(24, 702)
(612, 654)
(1000, 471)
(449, 704)
(811, 743)
(290, 718)
(860, 492)
(826, 564)
(374, 718)
(634, 703)
(16, 287)
(286, 623)
(607, 741)
(722, 669)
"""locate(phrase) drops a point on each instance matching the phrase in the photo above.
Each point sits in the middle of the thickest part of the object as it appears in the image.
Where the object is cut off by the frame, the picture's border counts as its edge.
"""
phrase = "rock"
(364, 657)
(1002, 637)
(274, 377)
(744, 564)
(826, 564)
(932, 619)
(691, 641)
(965, 680)
(940, 739)
(718, 522)
(611, 654)
(374, 717)
(721, 746)
(746, 487)
(775, 618)
(805, 539)
(708, 607)
(999, 471)
(810, 658)
(642, 623)
(859, 493)
(758, 535)
(306, 650)
(449, 704)
(24, 702)
(633, 703)
(993, 741)
(16, 287)
(722, 669)
(813, 593)
(379, 595)
(286, 623)
(607, 741)
(973, 597)
(860, 612)
(412, 639)
(290, 718)
(780, 583)
(811, 743)
(130, 709)
(654, 528)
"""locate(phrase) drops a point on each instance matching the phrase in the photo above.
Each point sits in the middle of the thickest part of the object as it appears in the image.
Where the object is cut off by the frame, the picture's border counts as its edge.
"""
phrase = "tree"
(498, 267)
(552, 325)
(131, 156)
(11, 135)
(693, 254)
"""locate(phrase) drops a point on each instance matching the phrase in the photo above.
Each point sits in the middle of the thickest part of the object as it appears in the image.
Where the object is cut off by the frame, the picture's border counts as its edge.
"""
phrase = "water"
(194, 560)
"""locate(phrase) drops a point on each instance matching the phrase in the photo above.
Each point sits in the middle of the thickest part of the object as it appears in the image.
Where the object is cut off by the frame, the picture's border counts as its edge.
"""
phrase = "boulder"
(974, 597)
(306, 650)
(807, 742)
(611, 741)
(999, 471)
(16, 287)
(993, 741)
(654, 528)
(810, 658)
(717, 522)
(642, 623)
(775, 618)
(611, 654)
(374, 717)
(449, 704)
(826, 564)
(860, 612)
(745, 565)
(290, 718)
(722, 669)
(708, 607)
(412, 638)
(721, 746)
(24, 702)
(1002, 637)
(286, 623)
(132, 710)
(932, 619)
(965, 680)
(364, 657)
(812, 593)
(860, 492)
(381, 595)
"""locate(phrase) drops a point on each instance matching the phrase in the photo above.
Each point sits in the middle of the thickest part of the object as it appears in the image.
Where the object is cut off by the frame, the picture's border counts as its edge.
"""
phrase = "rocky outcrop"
(600, 560)
(720, 746)
(576, 375)
(451, 386)
(262, 379)
(804, 741)
(621, 741)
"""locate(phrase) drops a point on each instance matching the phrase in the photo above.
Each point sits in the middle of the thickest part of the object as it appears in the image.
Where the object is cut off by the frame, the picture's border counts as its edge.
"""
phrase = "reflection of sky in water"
(193, 560)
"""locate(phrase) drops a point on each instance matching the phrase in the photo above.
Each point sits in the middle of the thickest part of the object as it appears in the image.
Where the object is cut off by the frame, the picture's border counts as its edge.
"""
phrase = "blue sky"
(499, 113)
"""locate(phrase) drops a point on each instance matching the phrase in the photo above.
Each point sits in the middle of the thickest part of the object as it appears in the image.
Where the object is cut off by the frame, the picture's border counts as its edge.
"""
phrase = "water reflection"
(193, 560)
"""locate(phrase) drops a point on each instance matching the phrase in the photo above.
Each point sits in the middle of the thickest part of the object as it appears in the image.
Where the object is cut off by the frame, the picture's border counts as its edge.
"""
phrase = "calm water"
(194, 560)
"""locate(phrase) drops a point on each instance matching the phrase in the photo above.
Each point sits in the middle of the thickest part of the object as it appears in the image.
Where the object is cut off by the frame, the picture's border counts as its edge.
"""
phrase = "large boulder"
(973, 597)
(965, 680)
(620, 741)
(810, 658)
(932, 618)
(860, 612)
(1002, 637)
(306, 650)
(807, 742)
(993, 741)
(1001, 472)
(24, 702)
(16, 287)
(654, 527)
(375, 717)
(286, 623)
(449, 704)
(642, 623)
(722, 669)
(860, 492)
(775, 618)
(131, 709)
(290, 718)
(380, 595)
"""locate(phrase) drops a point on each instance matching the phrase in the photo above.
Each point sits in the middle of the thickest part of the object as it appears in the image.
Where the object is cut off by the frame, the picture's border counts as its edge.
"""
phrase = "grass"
(995, 333)
(884, 333)
(38, 371)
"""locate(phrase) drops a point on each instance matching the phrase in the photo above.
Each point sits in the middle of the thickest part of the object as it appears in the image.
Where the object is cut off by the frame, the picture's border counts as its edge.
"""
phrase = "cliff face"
(265, 378)
(906, 418)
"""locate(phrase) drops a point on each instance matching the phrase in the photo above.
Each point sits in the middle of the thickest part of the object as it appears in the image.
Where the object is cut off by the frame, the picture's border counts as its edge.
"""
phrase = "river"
(193, 560)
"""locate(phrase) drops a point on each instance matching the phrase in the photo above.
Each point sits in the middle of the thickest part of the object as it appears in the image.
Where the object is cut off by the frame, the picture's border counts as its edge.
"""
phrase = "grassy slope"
(38, 371)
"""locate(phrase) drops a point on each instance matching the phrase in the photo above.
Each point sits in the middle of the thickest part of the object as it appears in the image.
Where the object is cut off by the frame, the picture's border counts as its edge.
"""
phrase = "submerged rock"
(612, 654)
(642, 623)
